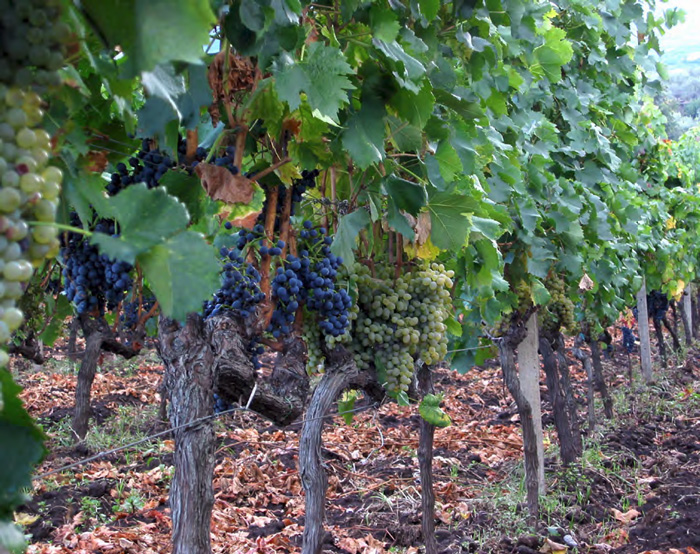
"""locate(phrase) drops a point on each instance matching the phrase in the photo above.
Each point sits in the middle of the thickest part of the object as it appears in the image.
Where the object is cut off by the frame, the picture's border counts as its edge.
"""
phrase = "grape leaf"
(188, 190)
(450, 164)
(346, 405)
(349, 227)
(27, 440)
(384, 22)
(409, 197)
(416, 108)
(184, 92)
(364, 136)
(322, 76)
(552, 55)
(182, 272)
(61, 311)
(151, 32)
(450, 228)
(429, 8)
(145, 217)
(431, 411)
(11, 538)
(398, 221)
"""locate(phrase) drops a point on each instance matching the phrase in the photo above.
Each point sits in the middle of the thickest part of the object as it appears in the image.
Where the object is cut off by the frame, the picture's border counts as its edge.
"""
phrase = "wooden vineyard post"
(644, 339)
(529, 364)
(687, 316)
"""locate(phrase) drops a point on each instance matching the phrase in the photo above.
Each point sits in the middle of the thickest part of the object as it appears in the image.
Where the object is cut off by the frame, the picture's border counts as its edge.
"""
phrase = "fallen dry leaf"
(553, 547)
(627, 517)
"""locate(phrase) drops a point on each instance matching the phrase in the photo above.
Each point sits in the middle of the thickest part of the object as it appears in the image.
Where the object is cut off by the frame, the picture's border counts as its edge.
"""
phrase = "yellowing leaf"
(677, 288)
(670, 223)
(426, 251)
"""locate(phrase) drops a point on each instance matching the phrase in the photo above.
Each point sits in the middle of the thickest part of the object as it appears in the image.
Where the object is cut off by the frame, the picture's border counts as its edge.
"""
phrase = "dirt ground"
(636, 488)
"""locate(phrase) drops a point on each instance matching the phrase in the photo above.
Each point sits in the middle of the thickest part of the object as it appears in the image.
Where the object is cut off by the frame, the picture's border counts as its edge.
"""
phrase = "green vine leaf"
(151, 32)
(431, 411)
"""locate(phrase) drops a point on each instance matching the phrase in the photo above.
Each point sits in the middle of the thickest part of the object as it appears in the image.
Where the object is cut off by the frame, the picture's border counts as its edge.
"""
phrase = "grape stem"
(61, 226)
(269, 169)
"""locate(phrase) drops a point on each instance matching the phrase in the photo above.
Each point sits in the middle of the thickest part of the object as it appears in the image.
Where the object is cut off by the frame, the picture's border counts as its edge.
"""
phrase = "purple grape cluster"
(92, 280)
(240, 288)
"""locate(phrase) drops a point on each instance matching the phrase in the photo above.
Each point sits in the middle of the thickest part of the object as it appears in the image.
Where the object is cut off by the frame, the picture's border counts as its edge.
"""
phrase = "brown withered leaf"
(220, 184)
(97, 161)
(625, 517)
(586, 283)
(246, 222)
(423, 227)
(241, 76)
(292, 125)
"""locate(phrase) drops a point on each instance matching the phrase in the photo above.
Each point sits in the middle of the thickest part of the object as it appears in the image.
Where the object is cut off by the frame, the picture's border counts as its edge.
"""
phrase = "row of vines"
(276, 190)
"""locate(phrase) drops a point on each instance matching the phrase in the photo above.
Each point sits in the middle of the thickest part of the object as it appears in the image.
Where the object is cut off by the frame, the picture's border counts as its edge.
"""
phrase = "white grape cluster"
(29, 191)
(559, 312)
(32, 39)
(401, 319)
(311, 334)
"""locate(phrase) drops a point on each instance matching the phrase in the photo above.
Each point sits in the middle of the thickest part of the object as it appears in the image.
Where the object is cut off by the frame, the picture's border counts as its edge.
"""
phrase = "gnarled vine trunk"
(201, 357)
(190, 373)
(673, 331)
(599, 378)
(660, 342)
(568, 390)
(567, 443)
(340, 374)
(587, 364)
(98, 338)
(506, 350)
(425, 464)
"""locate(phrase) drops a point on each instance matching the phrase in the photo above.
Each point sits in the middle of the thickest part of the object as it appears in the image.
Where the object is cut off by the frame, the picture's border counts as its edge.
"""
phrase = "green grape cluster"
(524, 296)
(31, 42)
(311, 334)
(559, 312)
(400, 320)
(29, 191)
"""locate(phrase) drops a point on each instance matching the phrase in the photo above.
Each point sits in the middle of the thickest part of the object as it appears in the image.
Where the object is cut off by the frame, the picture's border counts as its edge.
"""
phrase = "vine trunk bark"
(599, 379)
(200, 358)
(190, 375)
(660, 342)
(587, 364)
(568, 390)
(533, 468)
(98, 338)
(338, 377)
(673, 331)
(425, 464)
(687, 316)
(83, 387)
(567, 444)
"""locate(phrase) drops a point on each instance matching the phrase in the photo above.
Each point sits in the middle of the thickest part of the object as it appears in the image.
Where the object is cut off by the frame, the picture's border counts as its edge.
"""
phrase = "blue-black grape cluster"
(129, 318)
(310, 278)
(240, 291)
(147, 166)
(628, 340)
(221, 405)
(92, 280)
(657, 305)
